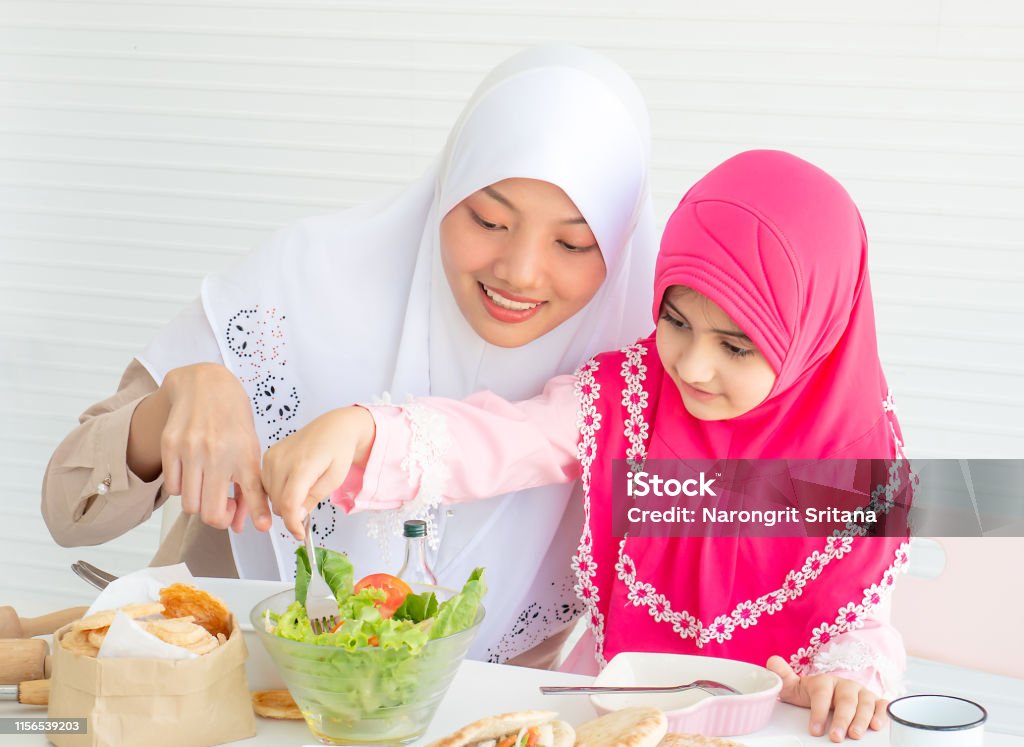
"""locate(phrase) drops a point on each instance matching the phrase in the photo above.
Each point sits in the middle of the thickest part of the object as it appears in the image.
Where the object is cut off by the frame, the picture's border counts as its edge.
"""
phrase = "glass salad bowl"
(365, 694)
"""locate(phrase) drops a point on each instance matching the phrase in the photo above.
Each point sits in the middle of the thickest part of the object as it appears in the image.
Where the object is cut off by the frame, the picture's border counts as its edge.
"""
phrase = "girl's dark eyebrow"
(499, 197)
(731, 332)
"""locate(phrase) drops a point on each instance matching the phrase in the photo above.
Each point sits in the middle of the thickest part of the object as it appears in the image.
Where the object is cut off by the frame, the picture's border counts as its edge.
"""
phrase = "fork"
(711, 687)
(321, 606)
(92, 575)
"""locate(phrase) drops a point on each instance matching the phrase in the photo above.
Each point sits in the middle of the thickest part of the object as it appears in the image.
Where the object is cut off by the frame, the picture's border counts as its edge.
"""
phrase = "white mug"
(935, 721)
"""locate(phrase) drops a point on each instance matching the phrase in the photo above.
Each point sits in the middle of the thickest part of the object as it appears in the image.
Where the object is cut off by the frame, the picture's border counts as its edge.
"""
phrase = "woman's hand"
(855, 708)
(300, 470)
(197, 429)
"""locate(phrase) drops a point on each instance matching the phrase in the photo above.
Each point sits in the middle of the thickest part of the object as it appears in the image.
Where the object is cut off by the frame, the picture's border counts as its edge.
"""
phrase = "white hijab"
(341, 308)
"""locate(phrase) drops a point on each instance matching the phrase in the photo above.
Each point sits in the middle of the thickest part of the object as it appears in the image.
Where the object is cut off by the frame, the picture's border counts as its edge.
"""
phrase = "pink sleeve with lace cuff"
(873, 655)
(466, 450)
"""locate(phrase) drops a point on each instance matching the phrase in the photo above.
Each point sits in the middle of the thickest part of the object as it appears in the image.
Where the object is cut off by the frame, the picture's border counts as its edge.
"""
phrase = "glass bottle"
(415, 569)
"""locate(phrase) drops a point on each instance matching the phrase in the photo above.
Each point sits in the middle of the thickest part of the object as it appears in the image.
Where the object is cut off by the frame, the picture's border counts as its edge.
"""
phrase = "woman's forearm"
(147, 427)
(87, 474)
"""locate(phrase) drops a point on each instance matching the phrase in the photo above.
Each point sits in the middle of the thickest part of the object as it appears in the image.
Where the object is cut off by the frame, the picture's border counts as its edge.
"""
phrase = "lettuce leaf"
(336, 569)
(362, 605)
(294, 624)
(459, 612)
(417, 607)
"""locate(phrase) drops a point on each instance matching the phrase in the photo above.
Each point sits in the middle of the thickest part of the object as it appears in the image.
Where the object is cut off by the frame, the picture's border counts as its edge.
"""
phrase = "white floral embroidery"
(745, 614)
(425, 465)
(851, 616)
(855, 656)
(883, 497)
(720, 629)
(641, 594)
(583, 564)
(660, 607)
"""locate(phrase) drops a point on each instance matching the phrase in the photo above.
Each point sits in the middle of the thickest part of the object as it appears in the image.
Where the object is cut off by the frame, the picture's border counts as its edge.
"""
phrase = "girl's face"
(520, 260)
(715, 366)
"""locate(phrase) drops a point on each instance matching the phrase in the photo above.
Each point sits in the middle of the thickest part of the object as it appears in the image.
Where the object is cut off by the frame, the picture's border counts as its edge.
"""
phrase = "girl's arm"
(429, 450)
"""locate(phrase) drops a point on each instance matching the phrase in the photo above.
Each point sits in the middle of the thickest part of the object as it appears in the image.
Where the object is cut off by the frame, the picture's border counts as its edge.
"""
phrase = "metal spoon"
(709, 686)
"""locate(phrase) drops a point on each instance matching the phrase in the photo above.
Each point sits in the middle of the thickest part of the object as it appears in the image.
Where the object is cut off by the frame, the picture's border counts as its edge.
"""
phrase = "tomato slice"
(396, 589)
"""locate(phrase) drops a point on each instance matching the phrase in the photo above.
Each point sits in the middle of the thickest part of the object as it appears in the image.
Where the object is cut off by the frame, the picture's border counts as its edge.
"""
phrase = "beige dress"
(90, 496)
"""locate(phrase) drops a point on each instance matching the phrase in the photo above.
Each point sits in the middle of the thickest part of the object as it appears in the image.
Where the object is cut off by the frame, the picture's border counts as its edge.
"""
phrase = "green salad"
(387, 662)
(381, 610)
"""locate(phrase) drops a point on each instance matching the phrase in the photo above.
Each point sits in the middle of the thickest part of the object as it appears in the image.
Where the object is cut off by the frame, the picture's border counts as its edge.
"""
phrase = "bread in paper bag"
(193, 702)
(145, 674)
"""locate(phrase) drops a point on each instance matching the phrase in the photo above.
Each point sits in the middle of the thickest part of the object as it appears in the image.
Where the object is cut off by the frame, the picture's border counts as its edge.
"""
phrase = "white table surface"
(480, 690)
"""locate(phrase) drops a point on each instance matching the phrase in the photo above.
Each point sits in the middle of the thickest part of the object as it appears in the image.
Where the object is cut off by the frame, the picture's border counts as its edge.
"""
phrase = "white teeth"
(507, 303)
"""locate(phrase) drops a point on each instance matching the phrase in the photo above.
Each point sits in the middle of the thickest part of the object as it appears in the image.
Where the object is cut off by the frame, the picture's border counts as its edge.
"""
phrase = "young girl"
(764, 348)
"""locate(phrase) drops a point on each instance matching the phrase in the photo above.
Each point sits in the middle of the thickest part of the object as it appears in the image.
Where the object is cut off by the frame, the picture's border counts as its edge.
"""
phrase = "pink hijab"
(780, 246)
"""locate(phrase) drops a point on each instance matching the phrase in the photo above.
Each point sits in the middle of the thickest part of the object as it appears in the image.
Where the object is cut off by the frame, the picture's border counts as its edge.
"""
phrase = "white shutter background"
(144, 144)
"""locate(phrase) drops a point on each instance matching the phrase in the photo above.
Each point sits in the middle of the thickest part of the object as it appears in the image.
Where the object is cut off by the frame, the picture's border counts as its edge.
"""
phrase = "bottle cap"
(415, 528)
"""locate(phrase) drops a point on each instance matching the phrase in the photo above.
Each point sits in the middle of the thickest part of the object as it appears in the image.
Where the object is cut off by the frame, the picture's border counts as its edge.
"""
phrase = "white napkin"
(126, 638)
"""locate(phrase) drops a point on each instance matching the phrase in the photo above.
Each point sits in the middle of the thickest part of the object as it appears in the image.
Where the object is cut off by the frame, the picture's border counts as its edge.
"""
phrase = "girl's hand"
(300, 470)
(855, 708)
(197, 429)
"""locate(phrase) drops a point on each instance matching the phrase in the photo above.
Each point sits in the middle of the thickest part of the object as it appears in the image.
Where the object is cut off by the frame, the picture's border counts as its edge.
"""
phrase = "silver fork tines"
(110, 577)
(321, 606)
(92, 575)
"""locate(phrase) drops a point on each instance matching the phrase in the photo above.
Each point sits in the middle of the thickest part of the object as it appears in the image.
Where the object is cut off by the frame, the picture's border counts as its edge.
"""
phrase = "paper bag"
(153, 702)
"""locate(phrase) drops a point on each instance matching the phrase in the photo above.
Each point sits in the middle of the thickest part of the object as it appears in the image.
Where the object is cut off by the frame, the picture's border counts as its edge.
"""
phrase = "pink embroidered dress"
(780, 247)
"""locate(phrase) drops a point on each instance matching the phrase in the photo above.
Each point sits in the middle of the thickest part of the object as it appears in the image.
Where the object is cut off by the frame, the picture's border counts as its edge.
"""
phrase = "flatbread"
(565, 735)
(494, 727)
(104, 618)
(697, 740)
(629, 727)
(275, 704)
(77, 642)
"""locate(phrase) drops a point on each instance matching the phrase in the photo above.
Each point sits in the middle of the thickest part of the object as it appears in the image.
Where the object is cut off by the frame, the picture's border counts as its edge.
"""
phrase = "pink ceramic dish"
(693, 710)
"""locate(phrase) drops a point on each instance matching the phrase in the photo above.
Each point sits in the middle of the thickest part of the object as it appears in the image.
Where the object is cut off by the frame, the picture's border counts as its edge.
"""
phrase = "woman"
(548, 165)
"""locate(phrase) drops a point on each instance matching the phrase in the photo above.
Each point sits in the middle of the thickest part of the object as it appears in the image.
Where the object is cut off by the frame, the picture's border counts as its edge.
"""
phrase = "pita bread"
(629, 727)
(104, 618)
(496, 727)
(275, 704)
(697, 740)
(565, 735)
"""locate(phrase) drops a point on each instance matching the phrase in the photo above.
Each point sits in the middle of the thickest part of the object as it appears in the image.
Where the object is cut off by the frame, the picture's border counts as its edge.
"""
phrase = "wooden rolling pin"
(37, 692)
(13, 626)
(23, 659)
(33, 692)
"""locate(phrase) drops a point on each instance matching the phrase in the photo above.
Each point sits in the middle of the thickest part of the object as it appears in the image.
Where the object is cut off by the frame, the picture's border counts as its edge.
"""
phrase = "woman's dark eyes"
(487, 225)
(484, 223)
(574, 248)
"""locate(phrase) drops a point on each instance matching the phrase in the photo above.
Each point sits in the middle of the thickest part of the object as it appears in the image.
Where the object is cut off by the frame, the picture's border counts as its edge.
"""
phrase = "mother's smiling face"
(520, 260)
